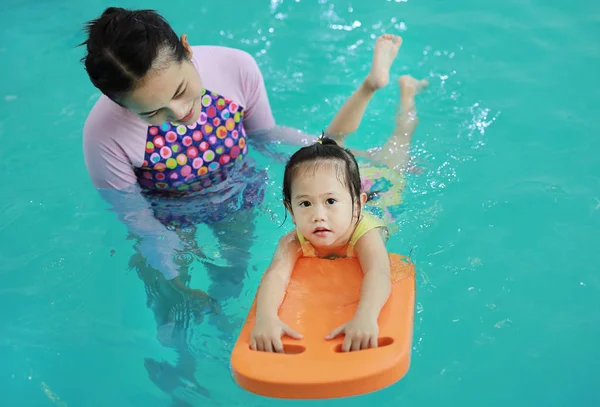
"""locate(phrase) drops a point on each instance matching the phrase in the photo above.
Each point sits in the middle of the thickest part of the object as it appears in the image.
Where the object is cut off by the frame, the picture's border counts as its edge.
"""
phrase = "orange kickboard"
(322, 295)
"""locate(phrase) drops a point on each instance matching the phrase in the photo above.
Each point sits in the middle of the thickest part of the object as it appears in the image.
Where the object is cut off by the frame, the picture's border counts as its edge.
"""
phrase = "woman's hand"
(205, 300)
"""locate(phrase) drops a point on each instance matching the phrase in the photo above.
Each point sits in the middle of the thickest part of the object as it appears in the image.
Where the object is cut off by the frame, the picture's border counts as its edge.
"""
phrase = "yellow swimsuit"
(366, 223)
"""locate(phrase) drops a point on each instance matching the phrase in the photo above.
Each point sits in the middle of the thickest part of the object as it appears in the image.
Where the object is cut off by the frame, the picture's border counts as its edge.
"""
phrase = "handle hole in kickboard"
(381, 342)
(290, 349)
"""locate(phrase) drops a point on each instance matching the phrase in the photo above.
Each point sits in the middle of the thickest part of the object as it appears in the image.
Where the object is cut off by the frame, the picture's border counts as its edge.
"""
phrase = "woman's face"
(170, 91)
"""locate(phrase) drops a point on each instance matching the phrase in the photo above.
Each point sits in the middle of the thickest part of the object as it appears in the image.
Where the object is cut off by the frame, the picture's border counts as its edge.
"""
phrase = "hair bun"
(326, 141)
(111, 11)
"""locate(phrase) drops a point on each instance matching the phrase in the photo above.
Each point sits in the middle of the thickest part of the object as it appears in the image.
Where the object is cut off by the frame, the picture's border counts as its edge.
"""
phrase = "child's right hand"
(267, 333)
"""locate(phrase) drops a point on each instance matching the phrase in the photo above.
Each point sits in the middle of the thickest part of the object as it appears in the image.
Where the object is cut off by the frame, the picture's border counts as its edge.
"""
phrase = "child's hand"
(360, 331)
(267, 333)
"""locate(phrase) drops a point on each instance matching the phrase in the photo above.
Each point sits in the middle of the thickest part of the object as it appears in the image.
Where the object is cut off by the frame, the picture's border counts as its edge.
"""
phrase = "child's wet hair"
(325, 150)
(123, 45)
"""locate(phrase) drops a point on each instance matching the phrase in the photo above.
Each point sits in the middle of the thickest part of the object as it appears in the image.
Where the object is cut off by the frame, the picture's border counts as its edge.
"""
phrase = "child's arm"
(272, 288)
(268, 330)
(374, 261)
(362, 331)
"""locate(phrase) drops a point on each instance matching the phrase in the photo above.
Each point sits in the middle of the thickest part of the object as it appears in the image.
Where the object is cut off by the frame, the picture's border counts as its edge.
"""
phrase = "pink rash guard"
(122, 152)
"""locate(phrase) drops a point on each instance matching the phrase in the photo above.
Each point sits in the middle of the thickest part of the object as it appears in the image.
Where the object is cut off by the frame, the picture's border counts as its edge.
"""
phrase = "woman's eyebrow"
(176, 93)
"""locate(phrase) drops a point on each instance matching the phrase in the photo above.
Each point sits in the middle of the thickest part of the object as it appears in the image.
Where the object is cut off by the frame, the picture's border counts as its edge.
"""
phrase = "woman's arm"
(111, 172)
(259, 122)
(157, 243)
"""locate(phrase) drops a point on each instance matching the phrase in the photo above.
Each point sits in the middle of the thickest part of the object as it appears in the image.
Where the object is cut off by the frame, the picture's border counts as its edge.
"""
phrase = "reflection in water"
(173, 379)
(177, 312)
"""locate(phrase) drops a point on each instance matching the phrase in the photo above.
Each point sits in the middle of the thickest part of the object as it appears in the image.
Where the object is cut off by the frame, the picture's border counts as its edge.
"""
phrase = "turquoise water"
(503, 223)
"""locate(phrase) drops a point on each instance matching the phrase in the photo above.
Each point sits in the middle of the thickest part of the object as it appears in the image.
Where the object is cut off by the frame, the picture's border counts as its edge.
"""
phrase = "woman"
(166, 143)
(166, 146)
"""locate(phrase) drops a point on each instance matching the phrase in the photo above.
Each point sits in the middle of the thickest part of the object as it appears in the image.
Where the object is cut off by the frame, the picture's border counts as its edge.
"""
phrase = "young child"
(323, 192)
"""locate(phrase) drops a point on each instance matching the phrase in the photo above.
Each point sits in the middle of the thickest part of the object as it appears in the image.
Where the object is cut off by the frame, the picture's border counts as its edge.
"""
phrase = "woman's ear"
(186, 45)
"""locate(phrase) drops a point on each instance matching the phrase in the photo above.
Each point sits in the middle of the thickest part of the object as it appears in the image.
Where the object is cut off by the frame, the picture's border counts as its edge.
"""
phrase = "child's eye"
(304, 203)
(331, 201)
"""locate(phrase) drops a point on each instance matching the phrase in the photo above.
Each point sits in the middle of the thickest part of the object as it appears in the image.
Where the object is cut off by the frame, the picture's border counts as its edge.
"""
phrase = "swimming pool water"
(503, 224)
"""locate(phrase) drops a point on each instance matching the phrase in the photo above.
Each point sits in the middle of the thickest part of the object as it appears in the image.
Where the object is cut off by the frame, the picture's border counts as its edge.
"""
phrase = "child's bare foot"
(386, 49)
(411, 86)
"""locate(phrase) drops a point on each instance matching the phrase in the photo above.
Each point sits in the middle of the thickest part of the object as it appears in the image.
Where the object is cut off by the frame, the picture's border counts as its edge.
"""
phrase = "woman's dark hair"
(123, 45)
(324, 150)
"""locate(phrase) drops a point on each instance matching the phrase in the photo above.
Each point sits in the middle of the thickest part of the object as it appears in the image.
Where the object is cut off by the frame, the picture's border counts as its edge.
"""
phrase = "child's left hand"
(361, 331)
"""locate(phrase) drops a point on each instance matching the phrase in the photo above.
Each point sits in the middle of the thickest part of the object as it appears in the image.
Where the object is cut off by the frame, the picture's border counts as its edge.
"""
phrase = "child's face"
(321, 205)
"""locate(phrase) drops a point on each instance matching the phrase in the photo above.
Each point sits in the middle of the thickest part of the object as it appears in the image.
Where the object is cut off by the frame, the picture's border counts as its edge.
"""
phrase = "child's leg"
(394, 152)
(348, 118)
